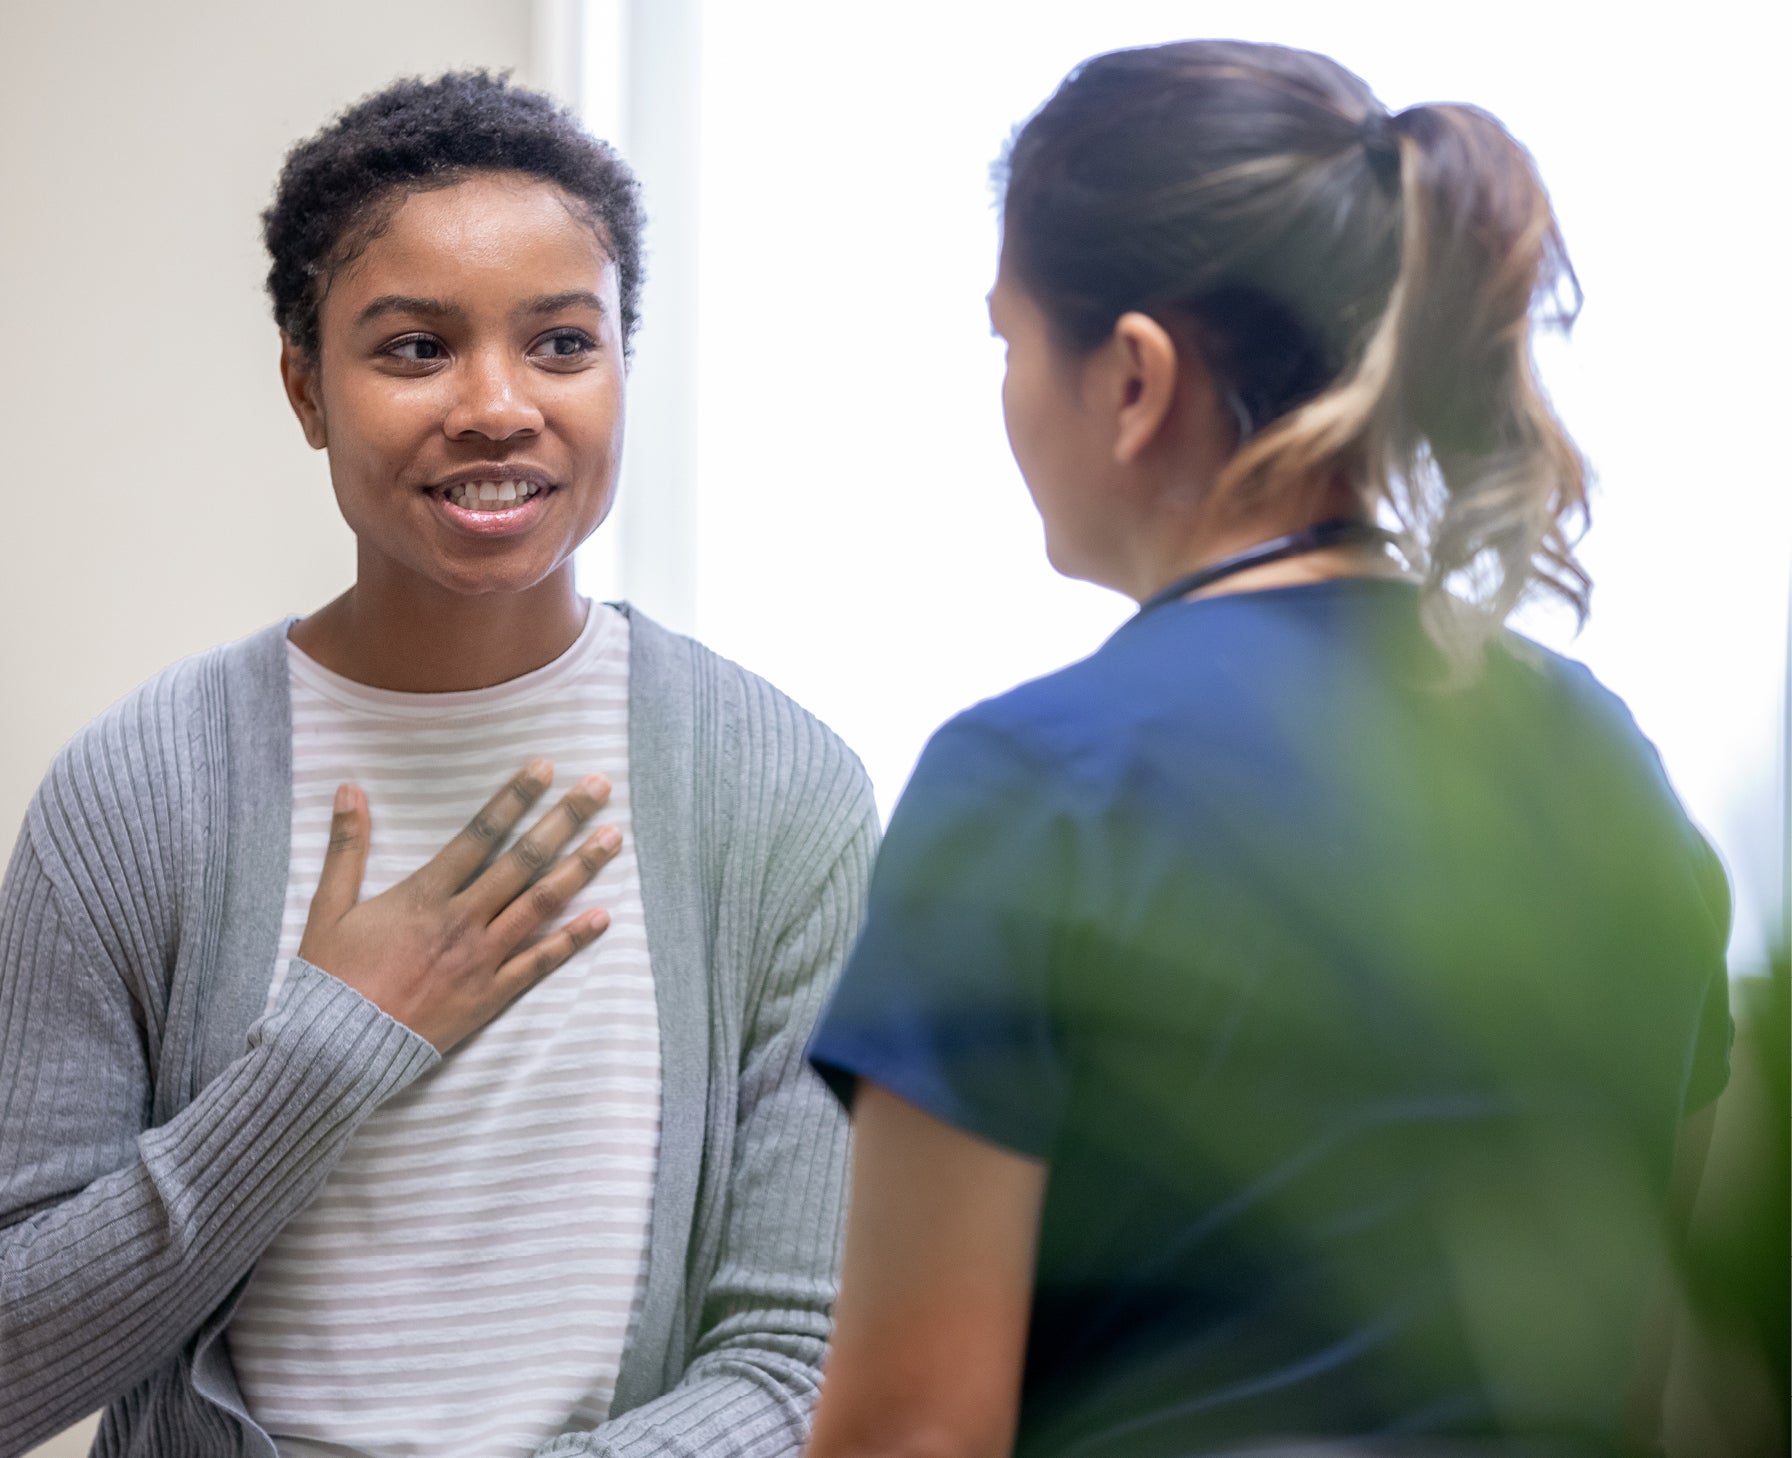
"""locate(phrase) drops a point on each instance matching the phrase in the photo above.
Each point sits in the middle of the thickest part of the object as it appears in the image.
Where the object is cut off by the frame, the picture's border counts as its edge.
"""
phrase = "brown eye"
(417, 349)
(565, 345)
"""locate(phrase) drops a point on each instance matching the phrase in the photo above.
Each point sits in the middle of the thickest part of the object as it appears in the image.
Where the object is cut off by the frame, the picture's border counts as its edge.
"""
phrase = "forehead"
(491, 234)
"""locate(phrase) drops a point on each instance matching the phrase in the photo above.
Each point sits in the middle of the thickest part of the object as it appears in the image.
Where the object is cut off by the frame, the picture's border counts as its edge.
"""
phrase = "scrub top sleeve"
(945, 1001)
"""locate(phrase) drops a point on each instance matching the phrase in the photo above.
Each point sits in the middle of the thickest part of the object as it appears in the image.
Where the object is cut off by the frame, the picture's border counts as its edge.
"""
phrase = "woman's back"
(1276, 1029)
(1353, 1012)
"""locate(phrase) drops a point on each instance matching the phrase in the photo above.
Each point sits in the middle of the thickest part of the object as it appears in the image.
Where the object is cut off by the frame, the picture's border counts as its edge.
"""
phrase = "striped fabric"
(464, 1282)
(157, 1132)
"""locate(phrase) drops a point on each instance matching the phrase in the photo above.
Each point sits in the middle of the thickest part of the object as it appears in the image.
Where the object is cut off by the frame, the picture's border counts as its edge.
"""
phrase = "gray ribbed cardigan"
(156, 1131)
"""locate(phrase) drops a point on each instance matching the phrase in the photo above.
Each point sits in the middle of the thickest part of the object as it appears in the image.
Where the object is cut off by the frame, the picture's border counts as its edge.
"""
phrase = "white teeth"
(491, 495)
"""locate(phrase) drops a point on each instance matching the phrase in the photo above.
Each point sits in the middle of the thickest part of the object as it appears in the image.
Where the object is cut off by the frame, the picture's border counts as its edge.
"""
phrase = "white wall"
(161, 498)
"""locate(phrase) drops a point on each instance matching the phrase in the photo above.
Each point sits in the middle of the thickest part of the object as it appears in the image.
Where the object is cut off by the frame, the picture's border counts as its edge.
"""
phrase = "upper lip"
(491, 471)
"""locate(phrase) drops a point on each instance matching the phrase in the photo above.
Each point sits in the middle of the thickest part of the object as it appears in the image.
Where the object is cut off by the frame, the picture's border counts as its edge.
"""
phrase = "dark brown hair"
(1364, 285)
(337, 189)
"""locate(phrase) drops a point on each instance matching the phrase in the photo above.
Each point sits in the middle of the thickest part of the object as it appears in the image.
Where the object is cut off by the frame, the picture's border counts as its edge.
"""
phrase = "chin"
(1084, 566)
(1066, 560)
(496, 578)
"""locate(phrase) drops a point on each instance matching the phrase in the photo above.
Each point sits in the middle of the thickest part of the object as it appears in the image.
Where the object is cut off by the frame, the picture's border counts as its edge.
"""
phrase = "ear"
(298, 372)
(1146, 357)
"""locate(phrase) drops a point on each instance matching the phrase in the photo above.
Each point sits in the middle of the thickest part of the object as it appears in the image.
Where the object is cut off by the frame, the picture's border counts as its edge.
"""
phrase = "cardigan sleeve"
(749, 1389)
(118, 1239)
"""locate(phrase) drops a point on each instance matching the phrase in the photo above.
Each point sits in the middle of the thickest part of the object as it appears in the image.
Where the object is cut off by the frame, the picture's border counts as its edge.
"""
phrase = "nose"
(492, 399)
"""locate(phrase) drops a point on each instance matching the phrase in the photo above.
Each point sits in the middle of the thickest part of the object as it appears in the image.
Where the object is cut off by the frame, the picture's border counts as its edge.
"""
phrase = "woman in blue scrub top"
(1285, 1029)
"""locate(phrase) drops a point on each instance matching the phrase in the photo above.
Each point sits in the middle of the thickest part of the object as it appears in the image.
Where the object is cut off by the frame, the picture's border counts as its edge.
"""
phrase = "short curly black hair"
(338, 189)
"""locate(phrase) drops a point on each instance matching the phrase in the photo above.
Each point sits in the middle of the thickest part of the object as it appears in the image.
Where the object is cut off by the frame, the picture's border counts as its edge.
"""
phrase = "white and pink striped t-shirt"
(466, 1279)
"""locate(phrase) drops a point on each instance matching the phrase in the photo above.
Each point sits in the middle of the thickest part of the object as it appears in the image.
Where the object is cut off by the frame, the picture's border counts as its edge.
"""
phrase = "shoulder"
(140, 768)
(1597, 734)
(1212, 659)
(1070, 728)
(138, 748)
(1581, 695)
(999, 786)
(750, 751)
(1589, 726)
(126, 815)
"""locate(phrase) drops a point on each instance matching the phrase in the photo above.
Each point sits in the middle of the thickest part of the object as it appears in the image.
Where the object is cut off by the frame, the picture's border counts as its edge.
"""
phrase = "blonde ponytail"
(1442, 418)
(1364, 287)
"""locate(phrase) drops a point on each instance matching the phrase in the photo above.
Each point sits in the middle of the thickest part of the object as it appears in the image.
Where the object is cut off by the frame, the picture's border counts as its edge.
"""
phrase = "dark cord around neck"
(1339, 532)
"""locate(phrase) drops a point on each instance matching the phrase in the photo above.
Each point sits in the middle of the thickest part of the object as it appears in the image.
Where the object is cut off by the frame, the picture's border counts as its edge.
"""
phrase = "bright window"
(858, 532)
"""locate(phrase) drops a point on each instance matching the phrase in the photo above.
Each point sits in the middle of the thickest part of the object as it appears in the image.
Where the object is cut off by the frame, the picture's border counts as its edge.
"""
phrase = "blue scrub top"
(1355, 1012)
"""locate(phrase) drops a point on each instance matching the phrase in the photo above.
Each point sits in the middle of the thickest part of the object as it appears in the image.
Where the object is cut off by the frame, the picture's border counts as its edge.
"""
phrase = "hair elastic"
(1379, 133)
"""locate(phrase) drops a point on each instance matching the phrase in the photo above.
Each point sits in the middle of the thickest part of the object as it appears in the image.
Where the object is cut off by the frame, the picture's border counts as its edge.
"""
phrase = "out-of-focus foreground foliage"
(1728, 1395)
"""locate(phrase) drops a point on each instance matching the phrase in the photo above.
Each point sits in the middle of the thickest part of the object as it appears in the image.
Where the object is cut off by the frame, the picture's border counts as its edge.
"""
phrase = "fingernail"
(539, 769)
(345, 799)
(593, 785)
(609, 840)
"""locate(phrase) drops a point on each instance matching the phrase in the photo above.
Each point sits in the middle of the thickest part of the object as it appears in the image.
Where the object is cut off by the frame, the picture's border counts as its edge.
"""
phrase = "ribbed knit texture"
(442, 1294)
(138, 1182)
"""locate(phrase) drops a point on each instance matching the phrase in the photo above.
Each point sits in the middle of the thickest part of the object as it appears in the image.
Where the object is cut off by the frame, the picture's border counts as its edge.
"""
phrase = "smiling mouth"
(497, 495)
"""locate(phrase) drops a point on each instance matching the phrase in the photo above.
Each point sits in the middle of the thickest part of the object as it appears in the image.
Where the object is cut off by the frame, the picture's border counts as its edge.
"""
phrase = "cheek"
(371, 420)
(589, 422)
(1016, 417)
(609, 406)
(1037, 414)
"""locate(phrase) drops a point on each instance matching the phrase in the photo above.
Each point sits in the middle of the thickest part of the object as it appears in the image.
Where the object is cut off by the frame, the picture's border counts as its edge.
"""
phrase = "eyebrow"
(438, 308)
(571, 299)
(405, 304)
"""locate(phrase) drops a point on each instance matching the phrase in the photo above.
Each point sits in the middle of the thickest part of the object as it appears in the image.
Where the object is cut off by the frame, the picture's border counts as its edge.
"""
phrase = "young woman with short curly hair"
(290, 1167)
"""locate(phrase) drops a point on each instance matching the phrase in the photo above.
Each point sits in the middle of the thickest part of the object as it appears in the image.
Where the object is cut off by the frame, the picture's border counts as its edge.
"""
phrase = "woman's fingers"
(526, 862)
(345, 858)
(549, 896)
(445, 962)
(526, 968)
(460, 860)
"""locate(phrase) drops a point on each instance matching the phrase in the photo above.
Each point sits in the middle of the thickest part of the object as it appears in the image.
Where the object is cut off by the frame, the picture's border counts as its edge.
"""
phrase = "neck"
(1289, 559)
(1175, 550)
(426, 640)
